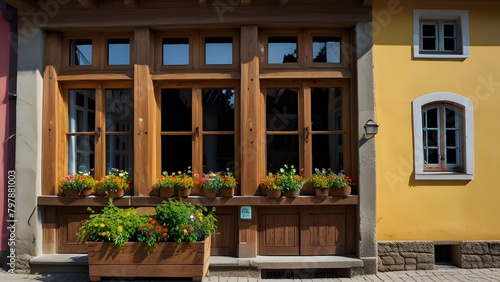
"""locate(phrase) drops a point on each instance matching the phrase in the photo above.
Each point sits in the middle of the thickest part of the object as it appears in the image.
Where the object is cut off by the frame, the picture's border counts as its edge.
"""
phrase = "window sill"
(441, 56)
(145, 201)
(444, 176)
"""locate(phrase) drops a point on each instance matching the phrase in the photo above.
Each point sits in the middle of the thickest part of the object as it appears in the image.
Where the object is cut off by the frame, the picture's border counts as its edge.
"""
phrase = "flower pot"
(113, 193)
(273, 193)
(170, 259)
(320, 192)
(166, 192)
(340, 192)
(226, 192)
(291, 193)
(209, 193)
(184, 193)
(77, 193)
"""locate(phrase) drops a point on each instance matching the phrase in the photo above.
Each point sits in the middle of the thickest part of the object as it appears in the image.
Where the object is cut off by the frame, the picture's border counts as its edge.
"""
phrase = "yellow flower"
(103, 233)
(119, 229)
(96, 225)
(185, 232)
(102, 225)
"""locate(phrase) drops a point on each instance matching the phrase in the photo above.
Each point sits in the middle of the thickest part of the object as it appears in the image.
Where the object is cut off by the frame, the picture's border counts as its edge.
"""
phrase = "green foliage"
(77, 181)
(165, 181)
(285, 179)
(151, 234)
(216, 180)
(115, 180)
(114, 224)
(186, 222)
(326, 178)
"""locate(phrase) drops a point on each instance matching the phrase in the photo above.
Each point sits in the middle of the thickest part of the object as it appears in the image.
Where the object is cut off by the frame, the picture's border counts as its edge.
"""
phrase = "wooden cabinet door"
(279, 231)
(224, 240)
(70, 220)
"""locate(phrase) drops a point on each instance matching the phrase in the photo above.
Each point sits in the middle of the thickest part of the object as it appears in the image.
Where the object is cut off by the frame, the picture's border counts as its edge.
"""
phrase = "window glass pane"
(118, 52)
(432, 157)
(119, 110)
(451, 157)
(449, 30)
(176, 153)
(80, 52)
(328, 151)
(282, 149)
(326, 49)
(326, 109)
(281, 109)
(432, 138)
(218, 51)
(176, 106)
(81, 156)
(432, 118)
(119, 152)
(175, 51)
(429, 30)
(218, 109)
(282, 50)
(449, 44)
(81, 110)
(429, 44)
(450, 118)
(451, 138)
(218, 153)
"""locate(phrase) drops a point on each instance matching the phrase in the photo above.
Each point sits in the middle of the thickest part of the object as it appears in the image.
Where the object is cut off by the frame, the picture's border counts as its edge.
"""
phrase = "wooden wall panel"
(279, 232)
(69, 221)
(224, 243)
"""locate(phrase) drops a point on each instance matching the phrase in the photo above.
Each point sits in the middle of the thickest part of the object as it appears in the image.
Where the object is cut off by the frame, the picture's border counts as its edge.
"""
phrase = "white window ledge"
(444, 176)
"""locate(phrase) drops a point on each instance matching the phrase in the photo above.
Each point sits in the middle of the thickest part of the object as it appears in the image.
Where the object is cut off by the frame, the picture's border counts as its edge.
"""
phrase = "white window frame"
(468, 136)
(461, 18)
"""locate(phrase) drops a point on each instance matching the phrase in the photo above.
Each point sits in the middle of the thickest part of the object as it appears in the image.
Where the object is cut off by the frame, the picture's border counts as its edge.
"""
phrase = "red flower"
(153, 221)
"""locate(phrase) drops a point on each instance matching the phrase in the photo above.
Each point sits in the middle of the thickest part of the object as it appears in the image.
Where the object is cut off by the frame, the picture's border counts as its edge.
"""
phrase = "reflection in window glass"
(81, 153)
(218, 51)
(218, 109)
(119, 122)
(326, 50)
(328, 151)
(282, 50)
(176, 110)
(176, 152)
(281, 150)
(218, 153)
(282, 109)
(175, 51)
(80, 53)
(118, 52)
(326, 109)
(81, 110)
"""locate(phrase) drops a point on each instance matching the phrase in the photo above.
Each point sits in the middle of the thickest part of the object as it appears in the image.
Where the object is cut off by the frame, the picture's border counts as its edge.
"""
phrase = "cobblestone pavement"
(448, 274)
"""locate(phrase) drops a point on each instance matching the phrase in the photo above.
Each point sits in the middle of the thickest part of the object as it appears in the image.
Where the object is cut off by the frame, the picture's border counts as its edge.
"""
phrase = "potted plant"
(174, 242)
(166, 184)
(322, 180)
(222, 182)
(341, 185)
(184, 182)
(115, 183)
(290, 181)
(272, 185)
(78, 184)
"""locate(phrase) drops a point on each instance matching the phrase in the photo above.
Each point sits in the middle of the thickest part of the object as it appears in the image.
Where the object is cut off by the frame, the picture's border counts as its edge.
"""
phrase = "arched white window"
(443, 137)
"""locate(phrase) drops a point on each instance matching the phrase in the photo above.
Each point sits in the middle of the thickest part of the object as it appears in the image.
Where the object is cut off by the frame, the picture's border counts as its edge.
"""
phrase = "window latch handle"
(98, 132)
(306, 132)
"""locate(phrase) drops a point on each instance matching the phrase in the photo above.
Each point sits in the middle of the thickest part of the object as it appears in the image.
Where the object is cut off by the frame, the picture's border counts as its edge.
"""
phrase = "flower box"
(170, 259)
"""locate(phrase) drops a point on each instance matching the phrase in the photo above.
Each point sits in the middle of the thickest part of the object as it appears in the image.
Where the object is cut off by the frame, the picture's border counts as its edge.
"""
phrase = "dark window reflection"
(326, 109)
(218, 153)
(176, 107)
(218, 50)
(328, 151)
(119, 154)
(80, 52)
(218, 109)
(282, 149)
(81, 108)
(81, 153)
(282, 50)
(176, 153)
(282, 109)
(326, 50)
(119, 110)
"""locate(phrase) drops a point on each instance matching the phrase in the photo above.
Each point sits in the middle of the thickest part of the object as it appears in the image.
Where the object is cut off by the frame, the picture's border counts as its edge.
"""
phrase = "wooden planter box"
(175, 260)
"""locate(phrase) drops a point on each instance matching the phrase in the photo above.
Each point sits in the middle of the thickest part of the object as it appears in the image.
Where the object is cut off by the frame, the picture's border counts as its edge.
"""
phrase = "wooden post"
(145, 128)
(251, 140)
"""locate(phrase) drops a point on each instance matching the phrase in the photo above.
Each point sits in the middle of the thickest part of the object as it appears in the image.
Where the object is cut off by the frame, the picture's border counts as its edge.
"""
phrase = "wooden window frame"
(197, 119)
(193, 43)
(442, 134)
(104, 49)
(264, 38)
(345, 52)
(304, 119)
(66, 52)
(236, 50)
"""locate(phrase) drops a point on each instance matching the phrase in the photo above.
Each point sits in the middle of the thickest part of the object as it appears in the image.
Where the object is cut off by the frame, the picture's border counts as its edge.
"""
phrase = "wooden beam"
(245, 2)
(24, 7)
(367, 2)
(131, 4)
(89, 4)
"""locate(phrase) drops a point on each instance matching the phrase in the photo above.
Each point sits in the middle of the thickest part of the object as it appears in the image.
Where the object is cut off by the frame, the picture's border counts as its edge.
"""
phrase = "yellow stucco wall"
(435, 210)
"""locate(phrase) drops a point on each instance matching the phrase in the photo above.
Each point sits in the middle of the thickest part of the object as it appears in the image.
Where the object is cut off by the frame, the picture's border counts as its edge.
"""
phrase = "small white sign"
(246, 212)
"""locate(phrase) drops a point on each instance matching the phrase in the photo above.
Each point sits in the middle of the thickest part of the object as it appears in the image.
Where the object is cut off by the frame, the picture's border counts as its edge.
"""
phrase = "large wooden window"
(100, 127)
(199, 126)
(307, 125)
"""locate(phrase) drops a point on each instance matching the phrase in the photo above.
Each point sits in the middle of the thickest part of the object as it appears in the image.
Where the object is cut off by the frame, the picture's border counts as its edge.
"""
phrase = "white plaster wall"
(367, 242)
(31, 53)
